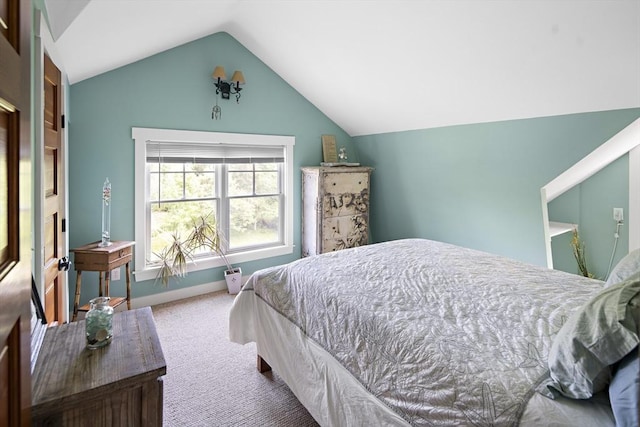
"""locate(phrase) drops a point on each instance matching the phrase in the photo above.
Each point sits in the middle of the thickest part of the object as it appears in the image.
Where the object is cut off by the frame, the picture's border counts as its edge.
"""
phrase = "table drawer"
(102, 259)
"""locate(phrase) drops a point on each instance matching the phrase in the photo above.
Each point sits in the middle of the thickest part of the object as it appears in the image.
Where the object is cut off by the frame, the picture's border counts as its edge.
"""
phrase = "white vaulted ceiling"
(375, 66)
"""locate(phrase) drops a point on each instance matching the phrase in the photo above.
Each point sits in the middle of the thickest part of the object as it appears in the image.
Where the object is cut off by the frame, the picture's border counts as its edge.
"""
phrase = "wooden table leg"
(76, 300)
(263, 366)
(107, 280)
(128, 279)
(100, 281)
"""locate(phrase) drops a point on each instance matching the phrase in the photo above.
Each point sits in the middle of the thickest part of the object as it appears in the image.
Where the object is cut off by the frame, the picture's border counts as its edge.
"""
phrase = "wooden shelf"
(558, 228)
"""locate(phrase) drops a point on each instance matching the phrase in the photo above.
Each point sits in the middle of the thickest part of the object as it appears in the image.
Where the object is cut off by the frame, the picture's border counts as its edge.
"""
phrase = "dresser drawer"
(345, 182)
(345, 194)
(344, 232)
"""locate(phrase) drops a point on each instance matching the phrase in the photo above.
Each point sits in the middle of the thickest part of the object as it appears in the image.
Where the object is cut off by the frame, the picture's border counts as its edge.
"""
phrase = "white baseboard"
(178, 294)
(170, 296)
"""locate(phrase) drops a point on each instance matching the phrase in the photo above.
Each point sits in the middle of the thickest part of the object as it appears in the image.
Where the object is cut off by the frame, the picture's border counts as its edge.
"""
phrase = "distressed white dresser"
(335, 208)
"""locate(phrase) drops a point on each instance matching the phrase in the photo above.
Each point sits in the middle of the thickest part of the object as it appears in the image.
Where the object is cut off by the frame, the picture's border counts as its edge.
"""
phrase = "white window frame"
(142, 135)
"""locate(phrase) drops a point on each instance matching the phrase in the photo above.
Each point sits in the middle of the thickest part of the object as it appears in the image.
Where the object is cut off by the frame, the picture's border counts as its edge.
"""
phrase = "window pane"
(171, 167)
(199, 167)
(267, 182)
(254, 221)
(166, 186)
(169, 218)
(240, 183)
(267, 166)
(240, 166)
(200, 185)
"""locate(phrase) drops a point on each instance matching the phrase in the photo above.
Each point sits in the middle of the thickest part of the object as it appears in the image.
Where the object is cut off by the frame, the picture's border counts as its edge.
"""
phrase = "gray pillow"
(628, 266)
(594, 337)
(624, 391)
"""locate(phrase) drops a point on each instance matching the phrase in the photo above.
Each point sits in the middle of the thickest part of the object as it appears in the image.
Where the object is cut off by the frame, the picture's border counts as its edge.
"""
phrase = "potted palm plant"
(204, 234)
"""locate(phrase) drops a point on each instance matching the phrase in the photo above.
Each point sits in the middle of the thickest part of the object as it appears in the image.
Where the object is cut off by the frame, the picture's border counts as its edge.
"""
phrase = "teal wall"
(472, 185)
(479, 185)
(174, 90)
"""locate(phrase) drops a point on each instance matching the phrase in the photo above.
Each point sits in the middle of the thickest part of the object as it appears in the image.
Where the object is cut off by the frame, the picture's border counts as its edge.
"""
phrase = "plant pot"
(234, 280)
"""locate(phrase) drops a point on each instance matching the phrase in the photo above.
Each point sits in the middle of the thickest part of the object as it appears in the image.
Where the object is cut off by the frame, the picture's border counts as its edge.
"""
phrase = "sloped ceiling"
(376, 66)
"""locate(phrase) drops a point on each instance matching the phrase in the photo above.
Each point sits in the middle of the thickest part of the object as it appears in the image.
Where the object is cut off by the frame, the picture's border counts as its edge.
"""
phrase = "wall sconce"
(225, 88)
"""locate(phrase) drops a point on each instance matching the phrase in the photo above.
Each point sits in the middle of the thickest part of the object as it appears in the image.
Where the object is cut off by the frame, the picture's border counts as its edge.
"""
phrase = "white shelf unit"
(558, 228)
(625, 141)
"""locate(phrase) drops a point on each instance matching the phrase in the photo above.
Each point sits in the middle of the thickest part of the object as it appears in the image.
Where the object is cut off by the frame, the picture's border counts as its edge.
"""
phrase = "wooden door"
(15, 213)
(54, 280)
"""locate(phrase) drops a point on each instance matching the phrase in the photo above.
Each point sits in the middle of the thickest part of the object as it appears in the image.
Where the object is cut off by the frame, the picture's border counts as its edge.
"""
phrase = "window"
(244, 181)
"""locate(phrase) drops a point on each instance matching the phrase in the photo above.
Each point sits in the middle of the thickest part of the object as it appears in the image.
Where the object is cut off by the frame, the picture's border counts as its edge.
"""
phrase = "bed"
(423, 333)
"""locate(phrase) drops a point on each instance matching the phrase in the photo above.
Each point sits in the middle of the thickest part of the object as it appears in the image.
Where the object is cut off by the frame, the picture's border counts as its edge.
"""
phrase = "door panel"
(4, 390)
(54, 284)
(4, 189)
(15, 213)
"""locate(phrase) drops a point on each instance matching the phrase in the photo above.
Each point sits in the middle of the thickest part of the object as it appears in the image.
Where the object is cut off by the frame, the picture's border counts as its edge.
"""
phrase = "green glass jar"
(99, 323)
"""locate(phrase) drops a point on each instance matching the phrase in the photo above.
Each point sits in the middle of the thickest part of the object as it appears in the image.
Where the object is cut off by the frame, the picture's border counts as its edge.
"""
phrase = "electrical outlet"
(618, 214)
(115, 274)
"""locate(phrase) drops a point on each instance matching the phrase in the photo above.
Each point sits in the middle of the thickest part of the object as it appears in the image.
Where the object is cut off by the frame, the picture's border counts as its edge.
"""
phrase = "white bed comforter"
(442, 335)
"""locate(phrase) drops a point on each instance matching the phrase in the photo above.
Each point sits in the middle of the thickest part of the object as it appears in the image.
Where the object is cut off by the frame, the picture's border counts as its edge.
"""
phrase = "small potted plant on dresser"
(204, 234)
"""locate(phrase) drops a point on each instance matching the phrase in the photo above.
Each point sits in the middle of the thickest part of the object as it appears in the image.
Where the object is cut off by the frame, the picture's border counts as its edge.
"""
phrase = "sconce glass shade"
(218, 73)
(238, 77)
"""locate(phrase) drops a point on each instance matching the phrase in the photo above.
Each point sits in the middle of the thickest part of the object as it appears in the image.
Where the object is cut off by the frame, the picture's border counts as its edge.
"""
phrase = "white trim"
(634, 199)
(620, 144)
(175, 295)
(142, 135)
(152, 272)
(545, 228)
(172, 135)
(178, 294)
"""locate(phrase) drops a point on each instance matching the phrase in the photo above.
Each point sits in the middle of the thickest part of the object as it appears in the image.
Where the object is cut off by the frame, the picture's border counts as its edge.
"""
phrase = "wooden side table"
(119, 384)
(92, 257)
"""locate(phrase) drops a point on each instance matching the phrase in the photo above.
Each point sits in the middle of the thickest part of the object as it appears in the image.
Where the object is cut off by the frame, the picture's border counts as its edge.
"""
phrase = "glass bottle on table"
(99, 323)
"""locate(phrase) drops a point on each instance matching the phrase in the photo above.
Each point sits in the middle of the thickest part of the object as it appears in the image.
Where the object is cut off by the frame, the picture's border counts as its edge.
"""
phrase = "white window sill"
(151, 273)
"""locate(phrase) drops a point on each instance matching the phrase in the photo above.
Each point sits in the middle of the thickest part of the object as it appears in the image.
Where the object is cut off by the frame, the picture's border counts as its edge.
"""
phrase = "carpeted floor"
(213, 382)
